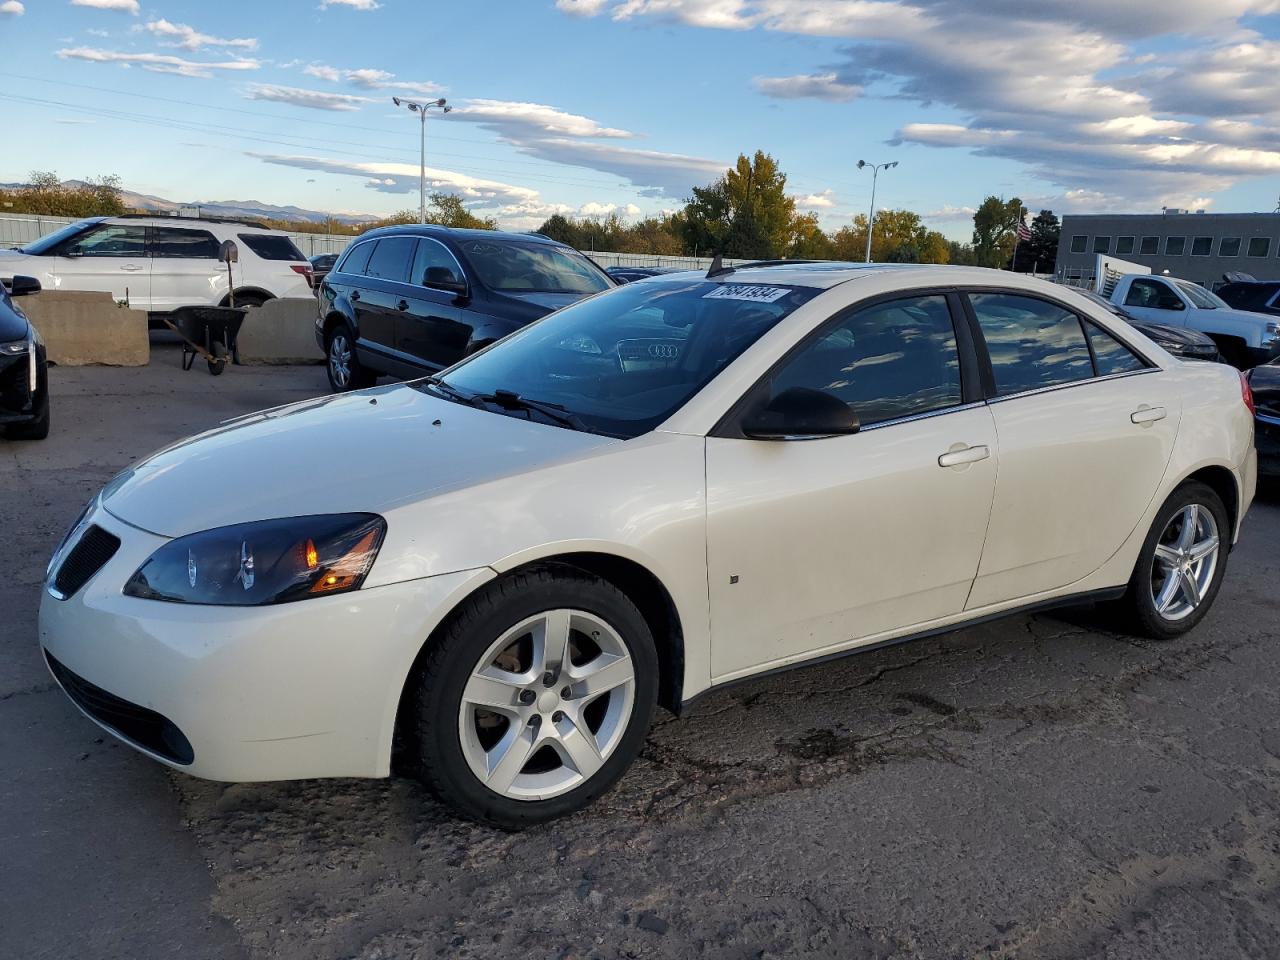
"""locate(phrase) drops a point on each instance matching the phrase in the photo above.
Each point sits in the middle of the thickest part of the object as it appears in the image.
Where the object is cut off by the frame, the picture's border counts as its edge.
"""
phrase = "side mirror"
(442, 278)
(22, 286)
(801, 412)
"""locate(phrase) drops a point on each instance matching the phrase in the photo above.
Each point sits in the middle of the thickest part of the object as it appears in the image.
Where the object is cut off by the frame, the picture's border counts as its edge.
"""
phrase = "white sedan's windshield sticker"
(742, 291)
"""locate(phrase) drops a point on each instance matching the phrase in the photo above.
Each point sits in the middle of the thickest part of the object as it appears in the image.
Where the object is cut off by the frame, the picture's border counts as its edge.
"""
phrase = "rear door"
(430, 326)
(379, 292)
(184, 268)
(111, 257)
(1086, 429)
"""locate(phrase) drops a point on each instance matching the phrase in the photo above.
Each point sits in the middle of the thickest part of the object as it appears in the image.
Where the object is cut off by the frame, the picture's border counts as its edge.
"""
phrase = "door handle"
(958, 458)
(131, 267)
(1145, 415)
(402, 305)
(355, 295)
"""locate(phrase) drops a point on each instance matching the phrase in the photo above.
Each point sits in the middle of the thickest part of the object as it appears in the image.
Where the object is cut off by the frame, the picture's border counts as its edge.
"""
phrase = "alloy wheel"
(1186, 559)
(547, 705)
(340, 361)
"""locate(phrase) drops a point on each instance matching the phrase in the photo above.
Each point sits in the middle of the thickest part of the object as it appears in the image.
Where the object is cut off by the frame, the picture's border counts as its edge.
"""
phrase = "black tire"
(250, 299)
(37, 429)
(357, 376)
(435, 694)
(219, 352)
(1136, 610)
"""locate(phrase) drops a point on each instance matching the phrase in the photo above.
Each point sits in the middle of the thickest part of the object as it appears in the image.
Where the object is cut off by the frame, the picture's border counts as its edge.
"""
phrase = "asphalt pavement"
(1035, 787)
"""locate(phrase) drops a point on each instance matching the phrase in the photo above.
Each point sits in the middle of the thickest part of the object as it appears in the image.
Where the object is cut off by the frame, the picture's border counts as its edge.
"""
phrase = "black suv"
(409, 300)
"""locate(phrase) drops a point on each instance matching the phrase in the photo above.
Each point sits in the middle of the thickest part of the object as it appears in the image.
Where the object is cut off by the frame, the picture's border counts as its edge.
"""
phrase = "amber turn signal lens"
(351, 567)
(312, 556)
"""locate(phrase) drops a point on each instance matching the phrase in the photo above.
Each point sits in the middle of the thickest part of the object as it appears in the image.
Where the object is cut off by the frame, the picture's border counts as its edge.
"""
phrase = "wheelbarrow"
(208, 332)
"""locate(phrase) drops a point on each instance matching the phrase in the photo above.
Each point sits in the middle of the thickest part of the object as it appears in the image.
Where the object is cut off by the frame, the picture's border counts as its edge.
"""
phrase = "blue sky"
(582, 106)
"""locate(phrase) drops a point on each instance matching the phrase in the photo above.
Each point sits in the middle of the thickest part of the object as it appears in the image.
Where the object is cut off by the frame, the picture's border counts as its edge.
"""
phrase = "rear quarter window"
(271, 246)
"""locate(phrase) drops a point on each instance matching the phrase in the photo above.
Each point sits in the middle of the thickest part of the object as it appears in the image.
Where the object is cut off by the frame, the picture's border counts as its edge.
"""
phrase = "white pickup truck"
(1244, 339)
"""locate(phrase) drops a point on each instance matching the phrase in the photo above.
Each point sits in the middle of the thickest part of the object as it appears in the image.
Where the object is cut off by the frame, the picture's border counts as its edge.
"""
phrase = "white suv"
(159, 263)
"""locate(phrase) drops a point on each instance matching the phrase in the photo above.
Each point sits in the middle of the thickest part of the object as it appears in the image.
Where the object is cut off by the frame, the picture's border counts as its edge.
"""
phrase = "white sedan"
(669, 487)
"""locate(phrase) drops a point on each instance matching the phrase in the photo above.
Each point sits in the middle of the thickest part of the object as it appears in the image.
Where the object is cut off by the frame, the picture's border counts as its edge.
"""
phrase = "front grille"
(86, 558)
(146, 728)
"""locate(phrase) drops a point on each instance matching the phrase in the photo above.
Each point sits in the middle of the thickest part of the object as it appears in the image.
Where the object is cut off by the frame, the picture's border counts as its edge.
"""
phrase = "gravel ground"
(1036, 787)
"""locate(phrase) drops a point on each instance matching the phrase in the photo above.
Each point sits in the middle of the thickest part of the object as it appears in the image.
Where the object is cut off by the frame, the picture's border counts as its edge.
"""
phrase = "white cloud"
(157, 63)
(820, 86)
(299, 97)
(12, 8)
(188, 38)
(816, 201)
(370, 79)
(1061, 89)
(596, 208)
(398, 178)
(354, 4)
(949, 212)
(510, 117)
(124, 6)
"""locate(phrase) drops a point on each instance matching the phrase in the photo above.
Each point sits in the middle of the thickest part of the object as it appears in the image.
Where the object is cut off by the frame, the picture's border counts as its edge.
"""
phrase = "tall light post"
(871, 217)
(421, 110)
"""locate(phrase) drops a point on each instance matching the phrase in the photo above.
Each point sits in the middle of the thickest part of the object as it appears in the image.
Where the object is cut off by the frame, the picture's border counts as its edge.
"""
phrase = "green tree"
(808, 242)
(900, 236)
(995, 230)
(443, 209)
(746, 213)
(1040, 252)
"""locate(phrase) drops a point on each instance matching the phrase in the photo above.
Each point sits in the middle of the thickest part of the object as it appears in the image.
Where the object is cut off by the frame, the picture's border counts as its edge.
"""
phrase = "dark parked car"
(1182, 342)
(24, 371)
(632, 274)
(321, 264)
(1265, 383)
(409, 300)
(1256, 296)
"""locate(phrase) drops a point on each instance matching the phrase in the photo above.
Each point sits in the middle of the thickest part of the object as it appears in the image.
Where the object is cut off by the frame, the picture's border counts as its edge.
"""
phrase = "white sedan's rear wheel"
(536, 697)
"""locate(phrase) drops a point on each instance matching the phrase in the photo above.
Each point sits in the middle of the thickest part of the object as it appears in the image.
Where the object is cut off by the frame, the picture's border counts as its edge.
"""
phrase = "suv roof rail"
(160, 215)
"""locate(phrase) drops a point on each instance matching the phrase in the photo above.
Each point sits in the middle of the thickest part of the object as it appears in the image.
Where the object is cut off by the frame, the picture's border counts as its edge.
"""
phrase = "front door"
(816, 544)
(432, 327)
(1155, 302)
(111, 258)
(1085, 436)
(380, 292)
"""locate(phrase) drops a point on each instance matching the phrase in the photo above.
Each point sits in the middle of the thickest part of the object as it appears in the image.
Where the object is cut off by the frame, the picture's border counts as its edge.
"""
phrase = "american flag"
(1024, 233)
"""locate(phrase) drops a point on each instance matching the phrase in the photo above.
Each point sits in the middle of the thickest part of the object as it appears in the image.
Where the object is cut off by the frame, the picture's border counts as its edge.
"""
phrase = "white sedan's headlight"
(266, 562)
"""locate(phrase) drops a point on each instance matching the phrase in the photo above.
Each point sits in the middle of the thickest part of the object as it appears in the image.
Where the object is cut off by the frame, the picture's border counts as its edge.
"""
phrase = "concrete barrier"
(280, 331)
(81, 329)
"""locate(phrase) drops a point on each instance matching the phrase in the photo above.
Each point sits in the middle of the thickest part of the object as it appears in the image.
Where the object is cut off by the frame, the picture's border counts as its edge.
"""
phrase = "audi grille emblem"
(663, 351)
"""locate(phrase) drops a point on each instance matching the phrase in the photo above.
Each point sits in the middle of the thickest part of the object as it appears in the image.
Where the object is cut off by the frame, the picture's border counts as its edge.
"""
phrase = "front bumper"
(306, 689)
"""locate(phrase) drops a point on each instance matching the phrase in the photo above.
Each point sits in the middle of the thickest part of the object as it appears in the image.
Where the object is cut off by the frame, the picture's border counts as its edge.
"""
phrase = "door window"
(390, 260)
(1032, 343)
(113, 240)
(432, 255)
(356, 259)
(887, 361)
(172, 242)
(1110, 356)
(1152, 294)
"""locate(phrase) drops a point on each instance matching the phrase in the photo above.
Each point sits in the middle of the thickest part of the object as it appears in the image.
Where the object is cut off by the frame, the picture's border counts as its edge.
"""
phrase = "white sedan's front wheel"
(535, 698)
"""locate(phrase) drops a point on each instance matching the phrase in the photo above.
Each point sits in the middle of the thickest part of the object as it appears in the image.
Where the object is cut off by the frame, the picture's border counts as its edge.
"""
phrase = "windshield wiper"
(450, 391)
(510, 400)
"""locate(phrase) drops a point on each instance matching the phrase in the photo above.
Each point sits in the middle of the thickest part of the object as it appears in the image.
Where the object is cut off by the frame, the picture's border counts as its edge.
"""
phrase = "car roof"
(455, 233)
(824, 275)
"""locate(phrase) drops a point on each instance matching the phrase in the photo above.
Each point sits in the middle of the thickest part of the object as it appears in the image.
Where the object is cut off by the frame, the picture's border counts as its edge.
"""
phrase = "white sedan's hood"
(337, 454)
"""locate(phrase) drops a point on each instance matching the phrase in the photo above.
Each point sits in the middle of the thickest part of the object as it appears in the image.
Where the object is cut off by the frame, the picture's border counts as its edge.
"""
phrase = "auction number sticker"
(744, 291)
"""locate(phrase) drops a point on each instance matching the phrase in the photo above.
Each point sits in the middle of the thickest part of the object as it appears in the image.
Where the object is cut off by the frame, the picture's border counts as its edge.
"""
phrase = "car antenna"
(718, 269)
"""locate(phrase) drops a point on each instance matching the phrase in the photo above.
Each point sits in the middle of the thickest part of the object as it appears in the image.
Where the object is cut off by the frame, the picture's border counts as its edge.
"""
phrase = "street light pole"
(421, 110)
(871, 217)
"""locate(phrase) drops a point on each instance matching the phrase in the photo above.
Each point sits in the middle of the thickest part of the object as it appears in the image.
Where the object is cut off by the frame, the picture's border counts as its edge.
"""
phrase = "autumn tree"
(900, 236)
(444, 210)
(46, 194)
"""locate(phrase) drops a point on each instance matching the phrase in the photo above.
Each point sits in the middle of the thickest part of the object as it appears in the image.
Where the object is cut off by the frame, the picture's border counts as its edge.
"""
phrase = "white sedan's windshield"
(623, 362)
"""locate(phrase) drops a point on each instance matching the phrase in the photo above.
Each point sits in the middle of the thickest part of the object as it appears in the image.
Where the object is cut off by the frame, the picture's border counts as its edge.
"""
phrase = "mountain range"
(243, 209)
